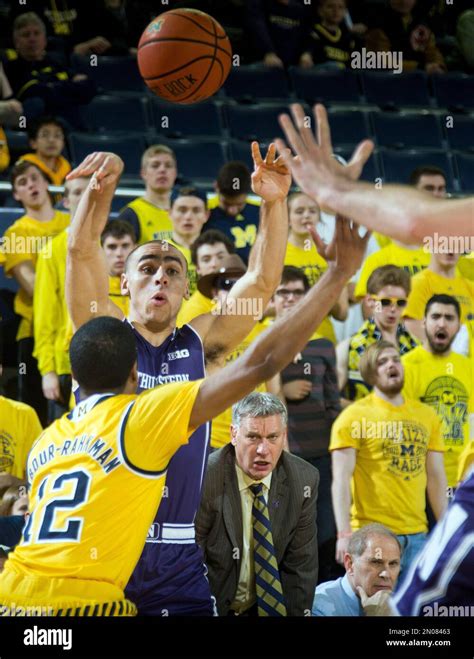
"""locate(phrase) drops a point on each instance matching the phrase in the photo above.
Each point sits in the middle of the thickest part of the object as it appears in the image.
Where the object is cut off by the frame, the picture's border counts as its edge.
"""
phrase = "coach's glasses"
(401, 302)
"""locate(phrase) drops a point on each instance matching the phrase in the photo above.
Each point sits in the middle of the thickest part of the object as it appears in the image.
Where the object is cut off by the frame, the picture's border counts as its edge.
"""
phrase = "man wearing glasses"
(388, 288)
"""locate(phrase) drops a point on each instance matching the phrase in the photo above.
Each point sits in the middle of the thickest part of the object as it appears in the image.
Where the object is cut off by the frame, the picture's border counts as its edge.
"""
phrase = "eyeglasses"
(223, 284)
(401, 302)
(284, 292)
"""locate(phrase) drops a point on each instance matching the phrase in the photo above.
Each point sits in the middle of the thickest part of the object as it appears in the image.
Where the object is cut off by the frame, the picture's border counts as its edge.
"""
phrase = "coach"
(257, 520)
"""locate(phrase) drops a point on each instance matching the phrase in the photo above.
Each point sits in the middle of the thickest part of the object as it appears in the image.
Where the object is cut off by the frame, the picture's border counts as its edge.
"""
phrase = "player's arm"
(343, 465)
(436, 482)
(341, 308)
(221, 333)
(87, 282)
(398, 211)
(342, 362)
(274, 349)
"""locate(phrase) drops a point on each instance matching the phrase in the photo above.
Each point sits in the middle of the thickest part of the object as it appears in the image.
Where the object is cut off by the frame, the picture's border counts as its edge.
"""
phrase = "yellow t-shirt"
(155, 223)
(411, 260)
(389, 481)
(445, 384)
(220, 432)
(192, 274)
(96, 473)
(427, 283)
(466, 459)
(195, 306)
(313, 266)
(19, 427)
(24, 240)
(466, 266)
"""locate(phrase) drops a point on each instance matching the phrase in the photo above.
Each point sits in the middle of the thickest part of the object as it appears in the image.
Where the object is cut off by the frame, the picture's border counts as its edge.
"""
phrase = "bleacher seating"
(391, 90)
(111, 73)
(112, 113)
(182, 121)
(348, 128)
(259, 122)
(397, 165)
(326, 87)
(407, 130)
(459, 131)
(256, 82)
(465, 166)
(129, 147)
(454, 91)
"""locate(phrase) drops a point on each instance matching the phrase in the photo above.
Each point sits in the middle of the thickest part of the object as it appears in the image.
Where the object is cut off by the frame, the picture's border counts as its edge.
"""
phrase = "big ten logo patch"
(406, 454)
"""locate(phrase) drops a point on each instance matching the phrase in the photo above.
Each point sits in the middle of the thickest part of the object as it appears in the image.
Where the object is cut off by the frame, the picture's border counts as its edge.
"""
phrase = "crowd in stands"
(395, 351)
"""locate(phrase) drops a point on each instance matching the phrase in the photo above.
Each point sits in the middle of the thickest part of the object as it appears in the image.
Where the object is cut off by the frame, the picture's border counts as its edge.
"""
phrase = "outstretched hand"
(104, 167)
(271, 178)
(315, 169)
(346, 250)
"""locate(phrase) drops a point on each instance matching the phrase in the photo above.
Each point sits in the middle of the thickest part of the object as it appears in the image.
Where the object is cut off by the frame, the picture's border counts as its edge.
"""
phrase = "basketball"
(184, 56)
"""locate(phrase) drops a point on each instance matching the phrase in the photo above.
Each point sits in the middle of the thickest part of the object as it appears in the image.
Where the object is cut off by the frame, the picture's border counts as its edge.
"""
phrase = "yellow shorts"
(27, 595)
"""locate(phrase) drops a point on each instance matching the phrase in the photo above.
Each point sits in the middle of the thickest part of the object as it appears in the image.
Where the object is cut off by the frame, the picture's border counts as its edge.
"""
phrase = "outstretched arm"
(87, 282)
(398, 211)
(249, 297)
(275, 348)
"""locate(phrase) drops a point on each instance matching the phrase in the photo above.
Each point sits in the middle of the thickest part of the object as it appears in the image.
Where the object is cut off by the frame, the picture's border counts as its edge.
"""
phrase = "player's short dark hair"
(442, 298)
(234, 178)
(117, 229)
(428, 170)
(102, 352)
(211, 237)
(292, 273)
(20, 167)
(188, 191)
(388, 275)
(45, 120)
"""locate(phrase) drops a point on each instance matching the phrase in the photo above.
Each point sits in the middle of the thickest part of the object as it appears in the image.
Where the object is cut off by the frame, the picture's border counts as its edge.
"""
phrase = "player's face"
(210, 258)
(303, 213)
(389, 372)
(20, 507)
(333, 11)
(75, 189)
(435, 184)
(116, 251)
(156, 280)
(49, 141)
(232, 205)
(287, 295)
(441, 326)
(188, 215)
(160, 172)
(30, 41)
(31, 189)
(378, 567)
(387, 316)
(258, 444)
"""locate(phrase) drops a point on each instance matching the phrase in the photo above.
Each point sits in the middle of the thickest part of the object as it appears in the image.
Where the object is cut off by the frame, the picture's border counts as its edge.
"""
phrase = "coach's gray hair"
(29, 18)
(358, 540)
(258, 404)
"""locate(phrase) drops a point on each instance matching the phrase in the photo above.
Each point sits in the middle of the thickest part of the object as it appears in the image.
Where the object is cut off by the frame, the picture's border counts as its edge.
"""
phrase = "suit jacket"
(292, 509)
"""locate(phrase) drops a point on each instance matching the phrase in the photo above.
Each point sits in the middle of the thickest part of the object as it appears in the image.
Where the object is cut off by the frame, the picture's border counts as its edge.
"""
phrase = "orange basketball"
(184, 56)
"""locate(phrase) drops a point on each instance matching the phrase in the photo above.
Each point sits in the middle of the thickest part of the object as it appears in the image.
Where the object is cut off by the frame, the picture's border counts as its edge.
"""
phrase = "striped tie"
(270, 598)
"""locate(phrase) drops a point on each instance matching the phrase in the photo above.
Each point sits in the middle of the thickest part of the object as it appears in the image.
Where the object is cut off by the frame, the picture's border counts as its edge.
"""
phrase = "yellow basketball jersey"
(97, 477)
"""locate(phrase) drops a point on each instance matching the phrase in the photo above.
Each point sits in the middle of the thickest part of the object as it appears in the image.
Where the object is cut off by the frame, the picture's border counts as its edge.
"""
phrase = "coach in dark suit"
(257, 520)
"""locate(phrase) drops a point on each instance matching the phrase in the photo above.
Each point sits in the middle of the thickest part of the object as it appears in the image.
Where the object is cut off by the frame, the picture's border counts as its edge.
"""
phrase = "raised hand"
(271, 178)
(104, 167)
(347, 248)
(315, 170)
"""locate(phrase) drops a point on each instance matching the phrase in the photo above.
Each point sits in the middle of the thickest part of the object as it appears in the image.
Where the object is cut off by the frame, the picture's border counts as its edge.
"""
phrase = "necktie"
(270, 600)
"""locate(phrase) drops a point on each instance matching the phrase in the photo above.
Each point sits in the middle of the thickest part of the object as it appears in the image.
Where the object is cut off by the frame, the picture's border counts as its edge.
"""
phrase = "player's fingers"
(82, 167)
(291, 134)
(256, 155)
(318, 241)
(360, 156)
(323, 130)
(270, 157)
(303, 125)
(285, 154)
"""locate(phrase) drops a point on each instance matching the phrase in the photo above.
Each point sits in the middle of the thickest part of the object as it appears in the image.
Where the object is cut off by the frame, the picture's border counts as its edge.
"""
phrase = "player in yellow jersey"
(77, 552)
(441, 378)
(149, 215)
(23, 241)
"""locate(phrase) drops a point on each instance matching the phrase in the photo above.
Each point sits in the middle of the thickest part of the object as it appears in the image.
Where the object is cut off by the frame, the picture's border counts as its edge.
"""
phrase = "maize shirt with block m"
(391, 442)
(97, 477)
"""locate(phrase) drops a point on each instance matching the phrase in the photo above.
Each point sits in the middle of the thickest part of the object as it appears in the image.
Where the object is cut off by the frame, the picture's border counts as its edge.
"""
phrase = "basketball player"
(170, 578)
(77, 551)
(398, 211)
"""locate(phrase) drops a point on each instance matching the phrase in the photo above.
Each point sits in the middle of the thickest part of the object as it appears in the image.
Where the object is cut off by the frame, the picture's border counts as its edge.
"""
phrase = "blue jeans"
(411, 545)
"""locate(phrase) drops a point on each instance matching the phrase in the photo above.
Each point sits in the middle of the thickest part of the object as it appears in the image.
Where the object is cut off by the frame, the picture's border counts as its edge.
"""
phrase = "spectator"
(104, 30)
(23, 241)
(301, 252)
(14, 501)
(309, 385)
(442, 379)
(232, 211)
(47, 140)
(255, 495)
(278, 30)
(391, 448)
(208, 252)
(465, 38)
(117, 241)
(40, 81)
(149, 215)
(401, 29)
(330, 40)
(10, 108)
(387, 292)
(372, 564)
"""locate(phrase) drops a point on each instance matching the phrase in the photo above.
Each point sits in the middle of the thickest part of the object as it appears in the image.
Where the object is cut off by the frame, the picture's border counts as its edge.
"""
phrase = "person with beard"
(391, 448)
(442, 379)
